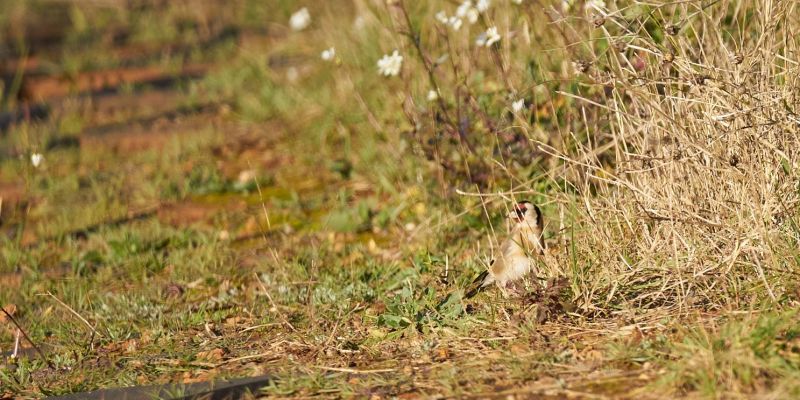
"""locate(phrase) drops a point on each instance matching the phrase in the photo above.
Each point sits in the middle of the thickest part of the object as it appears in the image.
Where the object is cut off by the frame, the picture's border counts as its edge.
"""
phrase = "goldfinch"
(514, 260)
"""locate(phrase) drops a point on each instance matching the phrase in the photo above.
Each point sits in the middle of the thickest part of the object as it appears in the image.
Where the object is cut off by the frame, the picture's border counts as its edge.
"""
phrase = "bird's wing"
(479, 283)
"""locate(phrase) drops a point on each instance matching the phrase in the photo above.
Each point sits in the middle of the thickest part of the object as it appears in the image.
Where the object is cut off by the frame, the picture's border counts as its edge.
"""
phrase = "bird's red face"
(520, 211)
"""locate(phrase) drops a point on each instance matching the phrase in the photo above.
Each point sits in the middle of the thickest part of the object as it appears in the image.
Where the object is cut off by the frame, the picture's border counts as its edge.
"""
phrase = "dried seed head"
(620, 46)
(669, 57)
(671, 30)
(700, 79)
(581, 67)
(639, 63)
(736, 58)
(598, 21)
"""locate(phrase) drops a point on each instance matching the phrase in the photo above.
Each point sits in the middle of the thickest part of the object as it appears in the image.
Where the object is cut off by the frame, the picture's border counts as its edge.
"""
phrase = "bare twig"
(19, 329)
(274, 306)
(72, 311)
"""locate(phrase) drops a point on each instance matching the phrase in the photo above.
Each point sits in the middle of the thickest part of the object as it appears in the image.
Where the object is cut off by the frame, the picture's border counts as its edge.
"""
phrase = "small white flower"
(516, 1)
(432, 95)
(246, 176)
(598, 5)
(441, 16)
(468, 12)
(492, 36)
(472, 15)
(328, 54)
(300, 19)
(488, 38)
(518, 105)
(390, 65)
(483, 5)
(359, 22)
(455, 23)
(36, 159)
(462, 9)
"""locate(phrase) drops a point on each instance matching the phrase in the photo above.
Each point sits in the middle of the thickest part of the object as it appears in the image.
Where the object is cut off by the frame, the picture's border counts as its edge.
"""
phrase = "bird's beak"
(517, 215)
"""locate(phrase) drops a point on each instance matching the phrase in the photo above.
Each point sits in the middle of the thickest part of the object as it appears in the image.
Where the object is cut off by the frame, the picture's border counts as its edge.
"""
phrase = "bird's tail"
(483, 280)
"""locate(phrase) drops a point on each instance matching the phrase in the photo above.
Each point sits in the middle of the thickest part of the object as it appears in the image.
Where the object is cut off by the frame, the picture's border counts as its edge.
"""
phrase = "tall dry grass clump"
(700, 204)
(661, 137)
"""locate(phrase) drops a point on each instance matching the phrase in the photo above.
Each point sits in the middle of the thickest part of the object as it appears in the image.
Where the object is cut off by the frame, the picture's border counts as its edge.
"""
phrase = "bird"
(514, 260)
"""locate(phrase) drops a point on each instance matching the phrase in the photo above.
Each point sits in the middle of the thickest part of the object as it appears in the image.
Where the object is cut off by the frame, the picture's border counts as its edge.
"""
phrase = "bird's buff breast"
(517, 265)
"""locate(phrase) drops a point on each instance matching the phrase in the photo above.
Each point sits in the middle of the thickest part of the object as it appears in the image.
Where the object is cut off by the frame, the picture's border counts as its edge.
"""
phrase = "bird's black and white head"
(529, 222)
(526, 214)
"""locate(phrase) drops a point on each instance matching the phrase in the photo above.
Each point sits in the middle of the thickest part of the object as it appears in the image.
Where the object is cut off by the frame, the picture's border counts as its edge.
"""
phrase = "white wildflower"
(329, 54)
(488, 38)
(492, 36)
(246, 176)
(36, 159)
(454, 23)
(432, 95)
(441, 16)
(516, 1)
(462, 9)
(598, 5)
(472, 15)
(300, 19)
(390, 65)
(518, 105)
(468, 12)
(359, 22)
(483, 5)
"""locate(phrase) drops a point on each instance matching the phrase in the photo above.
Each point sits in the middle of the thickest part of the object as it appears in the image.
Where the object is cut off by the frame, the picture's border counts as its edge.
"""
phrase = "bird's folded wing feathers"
(480, 282)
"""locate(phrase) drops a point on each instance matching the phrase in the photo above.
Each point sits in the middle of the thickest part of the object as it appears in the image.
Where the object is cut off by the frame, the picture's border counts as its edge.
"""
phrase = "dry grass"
(674, 171)
(672, 176)
(699, 207)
